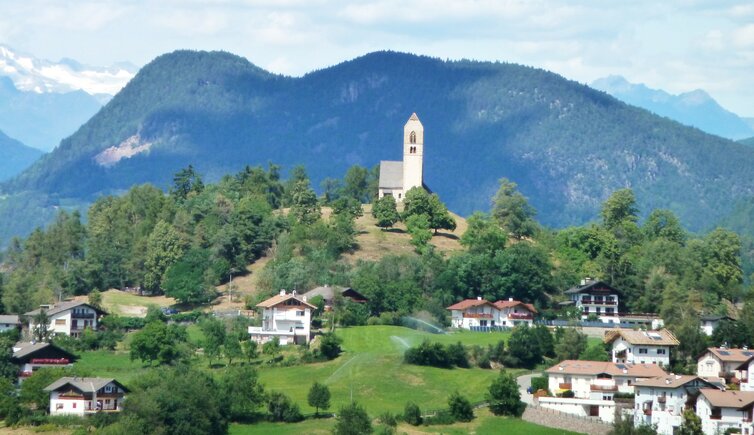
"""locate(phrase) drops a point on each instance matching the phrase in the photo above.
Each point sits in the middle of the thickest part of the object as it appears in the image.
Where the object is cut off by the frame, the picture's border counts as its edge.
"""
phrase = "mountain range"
(695, 108)
(42, 102)
(568, 146)
(15, 156)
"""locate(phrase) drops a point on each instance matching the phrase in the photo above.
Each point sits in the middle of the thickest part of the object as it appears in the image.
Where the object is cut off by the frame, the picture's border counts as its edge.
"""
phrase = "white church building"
(397, 178)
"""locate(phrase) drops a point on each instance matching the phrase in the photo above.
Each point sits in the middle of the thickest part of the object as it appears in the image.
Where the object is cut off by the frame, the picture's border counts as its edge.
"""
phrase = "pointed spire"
(413, 117)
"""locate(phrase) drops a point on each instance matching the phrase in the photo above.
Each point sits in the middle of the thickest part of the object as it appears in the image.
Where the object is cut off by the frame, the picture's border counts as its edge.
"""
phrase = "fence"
(489, 328)
(585, 324)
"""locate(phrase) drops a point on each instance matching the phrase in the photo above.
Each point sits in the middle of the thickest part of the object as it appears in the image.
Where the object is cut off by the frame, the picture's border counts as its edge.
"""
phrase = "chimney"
(667, 381)
(293, 292)
(745, 347)
(479, 298)
(303, 298)
(282, 292)
(510, 299)
(583, 282)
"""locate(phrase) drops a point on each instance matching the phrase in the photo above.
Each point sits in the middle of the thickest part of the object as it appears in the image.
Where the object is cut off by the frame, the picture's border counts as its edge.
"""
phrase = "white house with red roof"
(723, 410)
(724, 364)
(512, 313)
(67, 317)
(660, 401)
(82, 396)
(286, 316)
(595, 298)
(480, 313)
(747, 370)
(630, 346)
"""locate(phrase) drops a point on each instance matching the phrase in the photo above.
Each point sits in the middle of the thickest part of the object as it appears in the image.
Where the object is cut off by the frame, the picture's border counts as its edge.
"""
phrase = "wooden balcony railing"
(565, 386)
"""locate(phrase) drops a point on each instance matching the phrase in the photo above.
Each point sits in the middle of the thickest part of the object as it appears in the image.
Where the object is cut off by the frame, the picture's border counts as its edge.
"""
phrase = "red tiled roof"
(509, 304)
(468, 303)
(575, 367)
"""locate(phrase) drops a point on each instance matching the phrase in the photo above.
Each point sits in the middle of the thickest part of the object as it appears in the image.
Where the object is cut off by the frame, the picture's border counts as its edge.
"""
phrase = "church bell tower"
(413, 154)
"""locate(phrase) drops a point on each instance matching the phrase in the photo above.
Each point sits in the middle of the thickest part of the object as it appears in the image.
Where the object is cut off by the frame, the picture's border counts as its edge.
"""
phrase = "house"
(640, 347)
(660, 401)
(81, 396)
(593, 384)
(286, 316)
(480, 314)
(397, 178)
(710, 323)
(512, 313)
(597, 299)
(330, 293)
(747, 380)
(67, 318)
(9, 321)
(722, 410)
(31, 356)
(723, 364)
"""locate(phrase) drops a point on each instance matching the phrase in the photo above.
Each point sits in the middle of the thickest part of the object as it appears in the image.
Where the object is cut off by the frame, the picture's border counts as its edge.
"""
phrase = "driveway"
(524, 382)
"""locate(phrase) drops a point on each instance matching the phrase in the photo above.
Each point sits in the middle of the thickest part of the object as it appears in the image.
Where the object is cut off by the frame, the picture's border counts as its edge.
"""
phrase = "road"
(524, 382)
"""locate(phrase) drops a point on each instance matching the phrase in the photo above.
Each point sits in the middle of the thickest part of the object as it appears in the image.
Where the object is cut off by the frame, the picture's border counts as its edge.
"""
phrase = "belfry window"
(412, 137)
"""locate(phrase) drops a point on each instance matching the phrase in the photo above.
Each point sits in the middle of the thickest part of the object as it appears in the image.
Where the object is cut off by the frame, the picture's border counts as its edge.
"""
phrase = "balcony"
(75, 315)
(520, 316)
(477, 315)
(586, 301)
(715, 417)
(565, 386)
(606, 388)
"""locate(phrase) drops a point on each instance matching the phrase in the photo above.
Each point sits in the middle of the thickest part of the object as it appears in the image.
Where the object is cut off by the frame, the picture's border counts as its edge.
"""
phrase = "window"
(108, 389)
(412, 139)
(660, 351)
(58, 406)
(60, 322)
(299, 313)
(73, 405)
(642, 351)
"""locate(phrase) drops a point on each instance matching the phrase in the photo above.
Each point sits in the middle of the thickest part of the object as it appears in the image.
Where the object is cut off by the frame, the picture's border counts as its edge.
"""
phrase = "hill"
(15, 156)
(567, 146)
(749, 141)
(695, 108)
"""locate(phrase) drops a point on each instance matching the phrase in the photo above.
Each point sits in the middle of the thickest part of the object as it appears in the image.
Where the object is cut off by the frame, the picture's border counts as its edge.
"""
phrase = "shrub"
(281, 408)
(330, 346)
(460, 407)
(412, 414)
(504, 397)
(540, 383)
(428, 354)
(568, 394)
(353, 420)
(442, 417)
(457, 355)
(388, 419)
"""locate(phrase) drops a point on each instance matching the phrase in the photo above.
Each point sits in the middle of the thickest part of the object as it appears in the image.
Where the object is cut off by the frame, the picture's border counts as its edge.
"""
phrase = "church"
(397, 178)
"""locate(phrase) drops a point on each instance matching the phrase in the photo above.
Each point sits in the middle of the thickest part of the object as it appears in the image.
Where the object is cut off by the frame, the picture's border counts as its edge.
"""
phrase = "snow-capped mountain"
(695, 108)
(42, 76)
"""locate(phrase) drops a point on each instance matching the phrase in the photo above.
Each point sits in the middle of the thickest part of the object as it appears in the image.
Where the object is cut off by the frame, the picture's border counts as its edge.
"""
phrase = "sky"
(677, 46)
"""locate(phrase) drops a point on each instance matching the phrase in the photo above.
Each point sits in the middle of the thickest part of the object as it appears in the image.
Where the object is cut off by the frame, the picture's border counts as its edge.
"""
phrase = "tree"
(242, 392)
(185, 280)
(663, 224)
(32, 388)
(95, 299)
(356, 184)
(158, 342)
(232, 347)
(353, 420)
(571, 344)
(319, 397)
(460, 407)
(418, 202)
(412, 414)
(595, 352)
(512, 211)
(250, 350)
(521, 353)
(385, 212)
(544, 340)
(483, 235)
(330, 345)
(271, 347)
(304, 207)
(281, 408)
(418, 228)
(503, 396)
(214, 337)
(41, 330)
(620, 207)
(185, 182)
(175, 400)
(164, 248)
(692, 424)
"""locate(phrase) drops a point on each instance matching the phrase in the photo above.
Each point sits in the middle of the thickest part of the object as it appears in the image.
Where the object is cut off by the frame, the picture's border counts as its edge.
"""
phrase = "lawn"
(484, 424)
(372, 372)
(116, 365)
(129, 304)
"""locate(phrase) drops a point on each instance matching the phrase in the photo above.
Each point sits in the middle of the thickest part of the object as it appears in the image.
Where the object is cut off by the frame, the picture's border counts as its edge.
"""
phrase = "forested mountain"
(749, 141)
(695, 108)
(15, 156)
(566, 145)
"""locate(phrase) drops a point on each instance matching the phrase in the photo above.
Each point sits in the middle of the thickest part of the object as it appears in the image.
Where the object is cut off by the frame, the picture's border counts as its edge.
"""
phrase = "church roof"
(391, 174)
(413, 117)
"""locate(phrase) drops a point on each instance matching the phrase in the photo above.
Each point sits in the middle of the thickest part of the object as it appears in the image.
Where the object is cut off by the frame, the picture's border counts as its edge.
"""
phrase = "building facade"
(661, 401)
(67, 318)
(397, 178)
(595, 299)
(723, 410)
(31, 356)
(479, 313)
(641, 347)
(724, 364)
(81, 396)
(286, 316)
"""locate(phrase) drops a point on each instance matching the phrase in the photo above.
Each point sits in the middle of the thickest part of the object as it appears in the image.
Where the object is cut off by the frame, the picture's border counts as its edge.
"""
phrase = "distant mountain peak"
(695, 108)
(31, 74)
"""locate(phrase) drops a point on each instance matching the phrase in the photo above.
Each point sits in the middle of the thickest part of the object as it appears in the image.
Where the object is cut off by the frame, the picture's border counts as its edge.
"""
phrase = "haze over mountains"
(567, 145)
(695, 108)
(15, 156)
(41, 102)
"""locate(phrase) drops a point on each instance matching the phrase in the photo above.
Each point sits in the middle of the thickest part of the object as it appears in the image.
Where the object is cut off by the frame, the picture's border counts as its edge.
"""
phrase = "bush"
(540, 383)
(568, 394)
(460, 407)
(428, 354)
(504, 397)
(457, 355)
(442, 417)
(330, 346)
(388, 419)
(353, 420)
(412, 414)
(281, 408)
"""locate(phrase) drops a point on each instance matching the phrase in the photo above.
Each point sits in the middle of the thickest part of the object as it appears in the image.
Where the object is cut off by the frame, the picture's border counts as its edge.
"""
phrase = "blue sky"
(673, 45)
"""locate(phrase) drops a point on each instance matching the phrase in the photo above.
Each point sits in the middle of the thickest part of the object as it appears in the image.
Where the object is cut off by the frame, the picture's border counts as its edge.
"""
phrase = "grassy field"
(128, 304)
(117, 365)
(371, 371)
(484, 424)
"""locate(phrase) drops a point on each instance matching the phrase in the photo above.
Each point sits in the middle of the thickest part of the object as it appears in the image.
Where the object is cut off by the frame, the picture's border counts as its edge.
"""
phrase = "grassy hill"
(566, 145)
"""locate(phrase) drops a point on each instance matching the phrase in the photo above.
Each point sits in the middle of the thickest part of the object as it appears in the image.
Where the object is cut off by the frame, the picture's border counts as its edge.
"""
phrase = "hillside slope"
(566, 145)
(15, 156)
